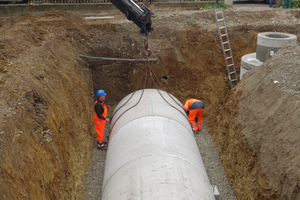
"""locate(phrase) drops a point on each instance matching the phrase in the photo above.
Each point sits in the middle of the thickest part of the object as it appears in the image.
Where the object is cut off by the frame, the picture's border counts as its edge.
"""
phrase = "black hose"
(120, 59)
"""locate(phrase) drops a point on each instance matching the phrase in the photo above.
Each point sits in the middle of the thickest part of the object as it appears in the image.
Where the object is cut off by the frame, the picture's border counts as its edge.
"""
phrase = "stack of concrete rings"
(268, 43)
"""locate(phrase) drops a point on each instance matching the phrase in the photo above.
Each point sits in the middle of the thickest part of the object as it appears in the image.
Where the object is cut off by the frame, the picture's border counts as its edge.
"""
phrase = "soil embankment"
(46, 107)
(258, 128)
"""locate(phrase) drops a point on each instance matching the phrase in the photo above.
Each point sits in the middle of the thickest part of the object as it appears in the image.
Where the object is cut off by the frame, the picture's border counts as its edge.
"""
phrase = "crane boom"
(141, 16)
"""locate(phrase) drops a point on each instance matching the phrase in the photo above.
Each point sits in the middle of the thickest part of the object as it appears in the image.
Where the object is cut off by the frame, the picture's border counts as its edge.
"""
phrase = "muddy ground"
(47, 95)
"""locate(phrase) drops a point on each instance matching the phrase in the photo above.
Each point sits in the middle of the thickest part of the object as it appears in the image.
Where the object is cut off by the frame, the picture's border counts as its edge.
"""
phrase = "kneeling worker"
(194, 108)
(100, 117)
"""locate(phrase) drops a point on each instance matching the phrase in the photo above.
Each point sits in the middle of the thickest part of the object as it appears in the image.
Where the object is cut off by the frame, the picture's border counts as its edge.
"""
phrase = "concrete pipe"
(152, 152)
(249, 62)
(268, 43)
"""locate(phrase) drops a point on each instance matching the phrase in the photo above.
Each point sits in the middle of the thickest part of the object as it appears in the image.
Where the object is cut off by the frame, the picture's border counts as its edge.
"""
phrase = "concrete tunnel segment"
(153, 153)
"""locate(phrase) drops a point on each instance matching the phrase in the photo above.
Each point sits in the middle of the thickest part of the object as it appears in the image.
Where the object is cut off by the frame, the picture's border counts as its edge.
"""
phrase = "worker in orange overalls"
(194, 108)
(100, 117)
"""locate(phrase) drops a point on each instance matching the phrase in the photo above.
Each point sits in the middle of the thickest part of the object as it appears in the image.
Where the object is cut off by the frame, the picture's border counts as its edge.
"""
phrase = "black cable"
(119, 59)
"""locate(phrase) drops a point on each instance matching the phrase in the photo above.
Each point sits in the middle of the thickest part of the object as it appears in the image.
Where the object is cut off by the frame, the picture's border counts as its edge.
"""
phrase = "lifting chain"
(147, 50)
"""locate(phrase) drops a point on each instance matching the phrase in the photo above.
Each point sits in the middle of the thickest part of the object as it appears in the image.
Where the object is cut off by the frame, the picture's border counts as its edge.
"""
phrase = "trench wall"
(46, 109)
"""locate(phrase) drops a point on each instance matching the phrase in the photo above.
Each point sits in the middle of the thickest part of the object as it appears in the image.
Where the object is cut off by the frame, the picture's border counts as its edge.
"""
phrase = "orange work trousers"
(197, 126)
(99, 126)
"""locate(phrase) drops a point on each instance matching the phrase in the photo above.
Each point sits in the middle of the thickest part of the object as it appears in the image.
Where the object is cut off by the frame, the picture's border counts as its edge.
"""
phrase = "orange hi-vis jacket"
(99, 122)
(195, 108)
(189, 104)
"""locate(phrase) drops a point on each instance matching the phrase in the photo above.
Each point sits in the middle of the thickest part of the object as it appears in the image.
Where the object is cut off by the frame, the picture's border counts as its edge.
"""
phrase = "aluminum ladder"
(226, 49)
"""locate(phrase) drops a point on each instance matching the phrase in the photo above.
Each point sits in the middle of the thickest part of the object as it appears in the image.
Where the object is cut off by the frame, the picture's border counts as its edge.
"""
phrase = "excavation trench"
(190, 64)
(52, 89)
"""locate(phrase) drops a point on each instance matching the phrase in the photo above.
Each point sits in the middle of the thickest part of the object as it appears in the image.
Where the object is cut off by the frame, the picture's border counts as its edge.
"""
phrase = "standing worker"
(145, 2)
(194, 108)
(271, 4)
(100, 117)
(286, 4)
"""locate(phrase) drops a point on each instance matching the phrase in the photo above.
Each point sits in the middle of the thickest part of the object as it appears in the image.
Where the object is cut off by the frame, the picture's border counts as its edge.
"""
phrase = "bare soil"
(47, 96)
(262, 125)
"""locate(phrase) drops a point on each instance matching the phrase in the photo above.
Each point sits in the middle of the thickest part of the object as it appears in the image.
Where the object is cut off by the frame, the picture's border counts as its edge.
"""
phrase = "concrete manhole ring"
(269, 43)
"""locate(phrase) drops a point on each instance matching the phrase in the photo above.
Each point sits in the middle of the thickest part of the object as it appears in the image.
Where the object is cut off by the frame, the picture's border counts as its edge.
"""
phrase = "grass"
(193, 22)
(294, 4)
(214, 5)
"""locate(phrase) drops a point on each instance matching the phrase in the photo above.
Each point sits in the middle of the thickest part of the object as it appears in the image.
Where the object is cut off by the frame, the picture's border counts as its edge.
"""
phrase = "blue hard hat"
(100, 93)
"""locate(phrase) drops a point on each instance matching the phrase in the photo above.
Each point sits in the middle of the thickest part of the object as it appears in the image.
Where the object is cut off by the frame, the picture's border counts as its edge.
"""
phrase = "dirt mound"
(259, 130)
(270, 119)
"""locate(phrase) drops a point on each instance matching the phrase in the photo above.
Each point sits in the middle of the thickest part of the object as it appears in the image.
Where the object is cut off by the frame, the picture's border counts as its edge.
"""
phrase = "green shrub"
(193, 22)
(294, 4)
(214, 5)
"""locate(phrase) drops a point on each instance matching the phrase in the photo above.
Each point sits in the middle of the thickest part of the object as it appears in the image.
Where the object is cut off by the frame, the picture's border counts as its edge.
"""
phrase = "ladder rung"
(223, 27)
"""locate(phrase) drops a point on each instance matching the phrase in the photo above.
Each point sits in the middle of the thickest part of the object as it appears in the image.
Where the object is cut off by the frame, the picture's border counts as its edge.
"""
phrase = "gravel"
(214, 169)
(95, 173)
(209, 154)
